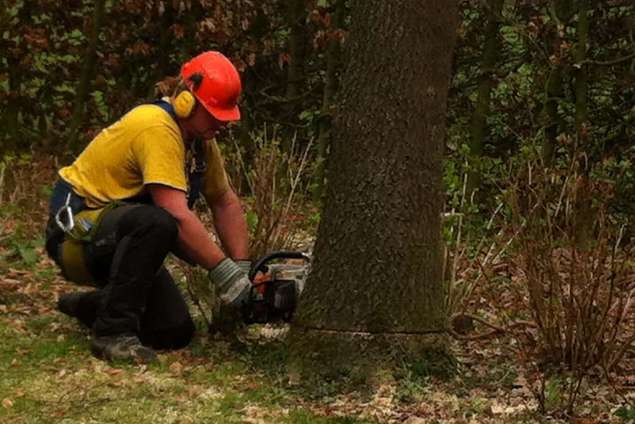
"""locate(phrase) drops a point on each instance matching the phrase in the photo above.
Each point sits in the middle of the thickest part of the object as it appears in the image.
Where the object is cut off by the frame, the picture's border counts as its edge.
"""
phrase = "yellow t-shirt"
(144, 147)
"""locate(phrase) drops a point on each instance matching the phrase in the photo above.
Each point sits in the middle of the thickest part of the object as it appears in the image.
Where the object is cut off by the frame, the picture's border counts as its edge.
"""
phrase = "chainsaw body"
(275, 292)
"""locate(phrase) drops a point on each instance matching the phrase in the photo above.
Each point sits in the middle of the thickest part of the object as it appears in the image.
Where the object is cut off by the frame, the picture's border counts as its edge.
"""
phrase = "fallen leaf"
(176, 368)
(114, 371)
(584, 421)
(497, 409)
(415, 420)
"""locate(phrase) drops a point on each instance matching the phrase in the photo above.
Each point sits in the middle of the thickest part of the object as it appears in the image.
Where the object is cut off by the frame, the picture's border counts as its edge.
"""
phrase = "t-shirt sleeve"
(160, 155)
(215, 181)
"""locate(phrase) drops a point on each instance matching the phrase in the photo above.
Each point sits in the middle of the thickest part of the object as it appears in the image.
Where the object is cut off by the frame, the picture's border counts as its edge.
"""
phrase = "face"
(203, 125)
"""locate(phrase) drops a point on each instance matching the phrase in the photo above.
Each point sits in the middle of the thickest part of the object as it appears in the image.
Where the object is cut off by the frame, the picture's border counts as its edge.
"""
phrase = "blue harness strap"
(196, 169)
(166, 106)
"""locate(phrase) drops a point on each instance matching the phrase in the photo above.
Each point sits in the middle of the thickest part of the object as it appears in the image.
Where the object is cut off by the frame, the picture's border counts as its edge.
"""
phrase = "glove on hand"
(232, 282)
(245, 265)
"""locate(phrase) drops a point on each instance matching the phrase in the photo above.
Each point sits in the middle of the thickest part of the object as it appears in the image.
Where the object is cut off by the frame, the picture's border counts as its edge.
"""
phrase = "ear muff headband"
(184, 104)
(185, 101)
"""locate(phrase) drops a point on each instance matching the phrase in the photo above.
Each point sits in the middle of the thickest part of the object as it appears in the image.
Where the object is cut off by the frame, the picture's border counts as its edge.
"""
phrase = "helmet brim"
(224, 115)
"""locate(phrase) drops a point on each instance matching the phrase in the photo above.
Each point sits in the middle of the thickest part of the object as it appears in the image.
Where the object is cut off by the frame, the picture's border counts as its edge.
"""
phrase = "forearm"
(193, 239)
(231, 226)
(196, 242)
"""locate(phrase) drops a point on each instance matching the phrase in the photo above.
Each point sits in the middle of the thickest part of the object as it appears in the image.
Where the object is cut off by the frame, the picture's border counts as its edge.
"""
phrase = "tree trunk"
(478, 126)
(553, 125)
(10, 119)
(375, 291)
(88, 70)
(585, 213)
(331, 83)
(15, 103)
(561, 13)
(581, 74)
(296, 16)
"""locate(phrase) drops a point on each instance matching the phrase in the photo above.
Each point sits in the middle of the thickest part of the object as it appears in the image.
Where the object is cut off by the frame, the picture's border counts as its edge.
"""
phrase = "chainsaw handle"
(281, 254)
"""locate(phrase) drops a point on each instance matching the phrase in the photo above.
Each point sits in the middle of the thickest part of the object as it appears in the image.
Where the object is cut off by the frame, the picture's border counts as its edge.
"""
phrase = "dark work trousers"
(136, 295)
(165, 323)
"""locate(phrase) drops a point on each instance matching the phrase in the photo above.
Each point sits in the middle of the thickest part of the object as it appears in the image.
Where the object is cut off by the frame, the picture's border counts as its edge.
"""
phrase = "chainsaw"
(276, 287)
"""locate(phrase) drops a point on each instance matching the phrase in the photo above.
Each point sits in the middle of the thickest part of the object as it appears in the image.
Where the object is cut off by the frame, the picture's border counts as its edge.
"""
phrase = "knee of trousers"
(156, 220)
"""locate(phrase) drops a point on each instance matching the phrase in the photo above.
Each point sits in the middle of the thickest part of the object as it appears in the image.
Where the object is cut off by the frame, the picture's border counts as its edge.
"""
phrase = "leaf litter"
(491, 386)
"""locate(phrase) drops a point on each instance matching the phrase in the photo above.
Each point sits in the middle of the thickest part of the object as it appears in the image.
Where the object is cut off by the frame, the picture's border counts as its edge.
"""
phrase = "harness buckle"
(65, 212)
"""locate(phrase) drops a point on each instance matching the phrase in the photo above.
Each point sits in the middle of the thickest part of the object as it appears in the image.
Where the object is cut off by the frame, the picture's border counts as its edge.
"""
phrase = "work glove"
(231, 281)
(244, 264)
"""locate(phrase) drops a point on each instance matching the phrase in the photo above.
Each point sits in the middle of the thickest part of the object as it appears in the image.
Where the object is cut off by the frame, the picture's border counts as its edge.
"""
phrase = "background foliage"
(527, 76)
(541, 107)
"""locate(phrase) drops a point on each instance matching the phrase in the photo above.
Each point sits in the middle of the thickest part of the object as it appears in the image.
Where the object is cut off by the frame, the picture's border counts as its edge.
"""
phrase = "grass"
(47, 374)
(50, 376)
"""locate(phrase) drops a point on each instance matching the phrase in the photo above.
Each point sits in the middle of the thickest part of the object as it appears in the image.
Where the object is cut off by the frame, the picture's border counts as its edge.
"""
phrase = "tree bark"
(375, 291)
(88, 71)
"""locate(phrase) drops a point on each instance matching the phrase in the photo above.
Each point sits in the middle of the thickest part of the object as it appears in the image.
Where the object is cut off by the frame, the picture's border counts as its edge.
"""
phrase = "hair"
(169, 87)
(173, 86)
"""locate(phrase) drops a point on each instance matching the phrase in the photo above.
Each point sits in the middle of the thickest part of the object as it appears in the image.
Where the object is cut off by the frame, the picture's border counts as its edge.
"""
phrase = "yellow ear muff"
(184, 104)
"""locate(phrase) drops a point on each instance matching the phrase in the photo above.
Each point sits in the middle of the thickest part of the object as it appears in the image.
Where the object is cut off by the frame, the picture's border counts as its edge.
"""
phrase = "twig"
(73, 389)
(605, 63)
(195, 299)
(242, 166)
(452, 285)
(296, 180)
(475, 337)
(621, 352)
(495, 328)
(611, 383)
(3, 167)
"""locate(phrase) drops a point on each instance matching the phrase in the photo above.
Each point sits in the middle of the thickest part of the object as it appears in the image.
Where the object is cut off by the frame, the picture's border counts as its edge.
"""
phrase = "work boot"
(68, 303)
(122, 347)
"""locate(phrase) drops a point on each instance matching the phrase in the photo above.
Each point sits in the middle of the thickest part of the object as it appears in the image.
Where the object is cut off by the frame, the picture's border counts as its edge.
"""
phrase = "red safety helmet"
(218, 86)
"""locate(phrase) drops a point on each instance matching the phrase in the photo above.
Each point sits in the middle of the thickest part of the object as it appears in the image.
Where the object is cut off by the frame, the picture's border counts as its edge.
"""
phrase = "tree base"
(362, 357)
